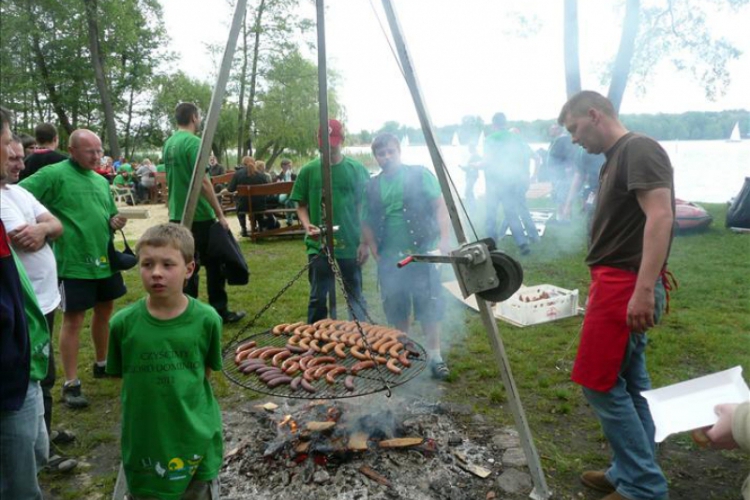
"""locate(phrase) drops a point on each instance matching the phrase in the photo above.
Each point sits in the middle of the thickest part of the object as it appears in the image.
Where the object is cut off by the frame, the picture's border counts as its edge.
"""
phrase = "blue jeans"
(627, 423)
(512, 196)
(322, 282)
(24, 447)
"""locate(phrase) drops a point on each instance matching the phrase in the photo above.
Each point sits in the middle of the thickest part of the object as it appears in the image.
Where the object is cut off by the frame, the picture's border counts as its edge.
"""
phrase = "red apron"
(605, 332)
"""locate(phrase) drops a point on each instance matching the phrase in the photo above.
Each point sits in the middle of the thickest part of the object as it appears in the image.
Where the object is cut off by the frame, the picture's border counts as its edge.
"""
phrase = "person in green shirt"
(348, 180)
(165, 347)
(180, 154)
(405, 214)
(80, 198)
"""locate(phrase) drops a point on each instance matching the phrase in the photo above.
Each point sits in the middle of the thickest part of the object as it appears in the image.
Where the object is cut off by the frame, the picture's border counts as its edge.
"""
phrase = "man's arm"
(31, 238)
(304, 217)
(657, 205)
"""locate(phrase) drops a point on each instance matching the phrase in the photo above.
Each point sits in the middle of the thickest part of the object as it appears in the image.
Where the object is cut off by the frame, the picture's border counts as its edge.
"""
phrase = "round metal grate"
(365, 382)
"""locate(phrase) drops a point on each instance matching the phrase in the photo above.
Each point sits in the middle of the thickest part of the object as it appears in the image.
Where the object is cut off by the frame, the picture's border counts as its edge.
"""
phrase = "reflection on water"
(707, 171)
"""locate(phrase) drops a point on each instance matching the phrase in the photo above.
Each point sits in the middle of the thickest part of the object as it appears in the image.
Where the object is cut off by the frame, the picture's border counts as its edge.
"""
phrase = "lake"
(705, 171)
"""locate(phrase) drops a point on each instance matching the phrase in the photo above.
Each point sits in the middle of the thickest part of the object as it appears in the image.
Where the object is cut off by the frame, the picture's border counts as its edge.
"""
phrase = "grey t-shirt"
(634, 163)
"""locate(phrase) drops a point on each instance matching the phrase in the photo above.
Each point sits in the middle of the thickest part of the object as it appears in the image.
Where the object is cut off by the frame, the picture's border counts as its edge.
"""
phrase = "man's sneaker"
(60, 464)
(72, 396)
(100, 371)
(597, 480)
(439, 370)
(233, 317)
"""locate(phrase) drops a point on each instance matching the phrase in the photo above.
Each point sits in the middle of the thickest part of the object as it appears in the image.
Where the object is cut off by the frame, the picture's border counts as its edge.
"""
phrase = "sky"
(472, 57)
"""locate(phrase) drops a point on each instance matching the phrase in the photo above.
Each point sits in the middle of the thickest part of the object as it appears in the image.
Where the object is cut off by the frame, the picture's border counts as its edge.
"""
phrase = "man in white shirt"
(30, 227)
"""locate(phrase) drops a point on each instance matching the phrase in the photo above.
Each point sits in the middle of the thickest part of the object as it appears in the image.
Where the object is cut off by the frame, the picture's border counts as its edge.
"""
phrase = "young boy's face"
(388, 155)
(163, 270)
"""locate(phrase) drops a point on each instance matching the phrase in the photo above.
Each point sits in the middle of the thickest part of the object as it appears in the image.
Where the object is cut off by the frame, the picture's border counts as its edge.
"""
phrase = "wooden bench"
(161, 190)
(271, 189)
(226, 201)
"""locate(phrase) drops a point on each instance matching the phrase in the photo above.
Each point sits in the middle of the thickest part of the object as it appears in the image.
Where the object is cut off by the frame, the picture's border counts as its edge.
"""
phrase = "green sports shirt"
(171, 421)
(348, 179)
(179, 154)
(81, 200)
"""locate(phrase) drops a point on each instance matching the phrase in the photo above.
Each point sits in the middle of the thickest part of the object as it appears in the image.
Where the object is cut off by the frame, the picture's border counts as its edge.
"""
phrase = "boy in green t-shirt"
(164, 347)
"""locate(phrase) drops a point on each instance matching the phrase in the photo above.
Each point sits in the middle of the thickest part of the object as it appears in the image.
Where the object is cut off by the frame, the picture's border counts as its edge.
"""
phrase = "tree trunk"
(128, 145)
(98, 61)
(621, 68)
(243, 75)
(254, 76)
(54, 97)
(572, 65)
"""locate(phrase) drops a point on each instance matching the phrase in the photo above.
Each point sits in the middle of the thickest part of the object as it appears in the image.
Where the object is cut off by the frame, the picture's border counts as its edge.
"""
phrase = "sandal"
(439, 370)
(62, 437)
(57, 463)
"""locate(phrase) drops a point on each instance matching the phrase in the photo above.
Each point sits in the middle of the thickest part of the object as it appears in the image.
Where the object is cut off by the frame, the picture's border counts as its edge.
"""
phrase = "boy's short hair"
(580, 103)
(168, 235)
(384, 139)
(184, 112)
(45, 133)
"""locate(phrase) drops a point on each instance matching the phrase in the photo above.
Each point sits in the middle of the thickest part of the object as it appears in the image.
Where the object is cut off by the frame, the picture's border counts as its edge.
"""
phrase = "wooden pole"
(540, 491)
(212, 118)
(325, 149)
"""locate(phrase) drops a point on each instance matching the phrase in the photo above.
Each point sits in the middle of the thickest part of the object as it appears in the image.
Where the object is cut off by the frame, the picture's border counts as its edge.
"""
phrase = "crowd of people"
(56, 236)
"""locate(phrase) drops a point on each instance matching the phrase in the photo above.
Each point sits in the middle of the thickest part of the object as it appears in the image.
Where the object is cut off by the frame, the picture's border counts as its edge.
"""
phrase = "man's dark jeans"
(322, 282)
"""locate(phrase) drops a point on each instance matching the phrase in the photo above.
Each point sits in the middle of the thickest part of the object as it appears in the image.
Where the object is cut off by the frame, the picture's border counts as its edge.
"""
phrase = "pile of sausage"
(318, 351)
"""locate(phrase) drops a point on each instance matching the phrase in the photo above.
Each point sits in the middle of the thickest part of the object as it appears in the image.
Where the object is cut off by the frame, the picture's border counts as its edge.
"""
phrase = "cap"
(335, 133)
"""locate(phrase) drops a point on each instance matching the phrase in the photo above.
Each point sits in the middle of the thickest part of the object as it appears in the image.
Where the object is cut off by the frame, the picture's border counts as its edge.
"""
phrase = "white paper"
(690, 405)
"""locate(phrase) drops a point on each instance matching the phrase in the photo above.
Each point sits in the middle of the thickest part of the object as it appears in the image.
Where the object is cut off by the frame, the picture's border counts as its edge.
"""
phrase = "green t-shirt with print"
(179, 154)
(171, 421)
(39, 338)
(81, 199)
(348, 179)
(120, 181)
(396, 239)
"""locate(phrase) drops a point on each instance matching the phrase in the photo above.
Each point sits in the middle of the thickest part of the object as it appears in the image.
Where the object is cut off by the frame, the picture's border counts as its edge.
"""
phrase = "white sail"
(454, 140)
(735, 136)
(405, 141)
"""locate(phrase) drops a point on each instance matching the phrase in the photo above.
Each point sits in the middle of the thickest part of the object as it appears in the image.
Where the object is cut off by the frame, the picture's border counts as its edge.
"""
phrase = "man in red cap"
(348, 181)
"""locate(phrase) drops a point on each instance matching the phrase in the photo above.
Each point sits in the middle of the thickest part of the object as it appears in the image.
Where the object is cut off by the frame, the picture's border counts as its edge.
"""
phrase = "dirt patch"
(158, 214)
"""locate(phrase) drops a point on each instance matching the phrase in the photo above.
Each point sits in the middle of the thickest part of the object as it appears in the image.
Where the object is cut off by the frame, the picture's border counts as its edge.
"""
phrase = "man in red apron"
(630, 241)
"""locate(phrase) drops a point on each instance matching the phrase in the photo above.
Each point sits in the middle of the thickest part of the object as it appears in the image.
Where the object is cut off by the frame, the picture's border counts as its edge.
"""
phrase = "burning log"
(320, 426)
(375, 476)
(400, 442)
(358, 441)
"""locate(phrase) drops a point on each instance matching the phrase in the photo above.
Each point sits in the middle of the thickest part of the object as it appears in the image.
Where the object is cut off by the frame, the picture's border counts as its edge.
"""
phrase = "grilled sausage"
(294, 384)
(333, 373)
(328, 347)
(279, 357)
(245, 346)
(271, 352)
(275, 382)
(279, 329)
(308, 386)
(349, 383)
(340, 350)
(391, 365)
(362, 365)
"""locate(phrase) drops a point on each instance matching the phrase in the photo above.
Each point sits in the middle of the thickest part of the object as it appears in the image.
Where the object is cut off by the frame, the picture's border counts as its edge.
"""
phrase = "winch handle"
(406, 261)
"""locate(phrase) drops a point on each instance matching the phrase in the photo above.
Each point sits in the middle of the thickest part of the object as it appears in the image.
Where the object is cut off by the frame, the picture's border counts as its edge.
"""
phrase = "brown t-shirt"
(634, 163)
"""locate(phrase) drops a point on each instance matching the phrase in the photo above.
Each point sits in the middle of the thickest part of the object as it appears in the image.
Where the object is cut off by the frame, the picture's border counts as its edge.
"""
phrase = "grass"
(706, 331)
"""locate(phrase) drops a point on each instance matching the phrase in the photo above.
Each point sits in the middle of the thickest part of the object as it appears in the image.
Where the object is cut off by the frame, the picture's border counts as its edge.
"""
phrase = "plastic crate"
(525, 307)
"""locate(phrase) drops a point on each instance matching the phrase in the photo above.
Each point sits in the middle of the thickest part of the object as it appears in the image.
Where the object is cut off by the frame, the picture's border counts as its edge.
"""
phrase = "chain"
(271, 302)
(340, 280)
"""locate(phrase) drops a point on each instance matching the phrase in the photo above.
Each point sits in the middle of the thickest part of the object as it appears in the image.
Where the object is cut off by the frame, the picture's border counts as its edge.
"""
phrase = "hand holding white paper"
(690, 405)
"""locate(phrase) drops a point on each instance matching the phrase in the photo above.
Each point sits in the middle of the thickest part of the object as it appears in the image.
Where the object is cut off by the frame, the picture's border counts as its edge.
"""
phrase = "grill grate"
(365, 382)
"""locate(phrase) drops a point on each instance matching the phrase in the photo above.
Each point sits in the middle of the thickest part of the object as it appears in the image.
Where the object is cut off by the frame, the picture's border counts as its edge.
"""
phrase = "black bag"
(121, 261)
(738, 214)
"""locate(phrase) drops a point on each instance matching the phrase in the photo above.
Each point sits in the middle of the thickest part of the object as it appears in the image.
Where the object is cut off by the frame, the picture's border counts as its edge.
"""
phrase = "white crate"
(560, 304)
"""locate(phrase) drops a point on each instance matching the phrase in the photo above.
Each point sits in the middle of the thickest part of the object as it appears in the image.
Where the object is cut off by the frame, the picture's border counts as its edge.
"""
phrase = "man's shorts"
(417, 285)
(81, 295)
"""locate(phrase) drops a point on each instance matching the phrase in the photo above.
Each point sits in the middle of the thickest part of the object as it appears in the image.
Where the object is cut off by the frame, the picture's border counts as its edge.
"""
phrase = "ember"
(407, 448)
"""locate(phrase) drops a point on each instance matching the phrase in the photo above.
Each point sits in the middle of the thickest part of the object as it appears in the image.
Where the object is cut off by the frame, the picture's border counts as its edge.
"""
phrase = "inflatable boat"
(688, 215)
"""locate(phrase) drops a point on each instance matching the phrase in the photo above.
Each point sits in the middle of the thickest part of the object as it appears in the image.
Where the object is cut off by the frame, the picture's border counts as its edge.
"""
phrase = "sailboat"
(480, 144)
(454, 140)
(405, 141)
(735, 136)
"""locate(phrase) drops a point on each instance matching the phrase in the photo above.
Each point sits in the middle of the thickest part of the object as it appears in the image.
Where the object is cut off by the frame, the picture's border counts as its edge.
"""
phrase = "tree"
(287, 112)
(674, 28)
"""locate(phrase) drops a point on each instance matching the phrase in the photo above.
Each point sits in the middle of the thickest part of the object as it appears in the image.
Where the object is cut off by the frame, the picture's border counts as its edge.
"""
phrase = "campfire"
(373, 447)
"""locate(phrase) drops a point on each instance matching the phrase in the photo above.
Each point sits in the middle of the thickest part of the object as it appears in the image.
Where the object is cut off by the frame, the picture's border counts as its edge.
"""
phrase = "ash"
(270, 453)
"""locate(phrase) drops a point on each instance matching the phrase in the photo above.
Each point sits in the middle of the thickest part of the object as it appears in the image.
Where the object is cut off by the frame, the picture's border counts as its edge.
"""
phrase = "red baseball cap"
(335, 133)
